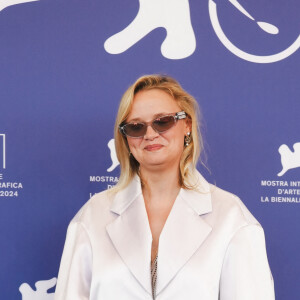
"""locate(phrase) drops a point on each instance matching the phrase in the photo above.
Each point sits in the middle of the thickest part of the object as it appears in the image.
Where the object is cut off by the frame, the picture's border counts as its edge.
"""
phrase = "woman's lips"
(153, 147)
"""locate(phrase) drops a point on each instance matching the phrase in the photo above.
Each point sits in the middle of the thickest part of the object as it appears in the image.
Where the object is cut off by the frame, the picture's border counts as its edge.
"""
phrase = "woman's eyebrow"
(153, 118)
(160, 114)
(134, 120)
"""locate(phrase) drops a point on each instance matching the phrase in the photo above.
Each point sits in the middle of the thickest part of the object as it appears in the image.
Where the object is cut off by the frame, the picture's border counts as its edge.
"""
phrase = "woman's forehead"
(151, 103)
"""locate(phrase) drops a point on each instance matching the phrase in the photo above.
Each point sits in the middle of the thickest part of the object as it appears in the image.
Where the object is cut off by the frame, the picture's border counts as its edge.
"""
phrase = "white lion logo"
(6, 3)
(289, 159)
(173, 15)
(180, 42)
(41, 290)
(113, 155)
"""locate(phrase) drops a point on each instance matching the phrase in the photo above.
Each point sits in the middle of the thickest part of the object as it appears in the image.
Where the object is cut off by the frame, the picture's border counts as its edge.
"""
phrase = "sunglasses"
(160, 125)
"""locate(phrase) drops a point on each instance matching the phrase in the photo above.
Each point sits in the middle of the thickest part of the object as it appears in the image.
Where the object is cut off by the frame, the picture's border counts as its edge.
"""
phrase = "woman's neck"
(160, 188)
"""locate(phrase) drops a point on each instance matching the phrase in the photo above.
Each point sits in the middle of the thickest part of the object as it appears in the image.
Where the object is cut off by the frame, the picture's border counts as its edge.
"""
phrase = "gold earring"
(187, 139)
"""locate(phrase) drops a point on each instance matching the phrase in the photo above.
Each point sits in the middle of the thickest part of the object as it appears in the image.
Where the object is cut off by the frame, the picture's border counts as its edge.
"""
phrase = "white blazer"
(210, 248)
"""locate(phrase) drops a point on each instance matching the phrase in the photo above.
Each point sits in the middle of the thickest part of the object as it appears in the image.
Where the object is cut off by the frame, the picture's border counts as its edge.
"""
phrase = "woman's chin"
(158, 164)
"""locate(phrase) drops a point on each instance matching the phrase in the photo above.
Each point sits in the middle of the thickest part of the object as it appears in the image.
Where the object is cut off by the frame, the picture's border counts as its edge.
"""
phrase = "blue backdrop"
(64, 66)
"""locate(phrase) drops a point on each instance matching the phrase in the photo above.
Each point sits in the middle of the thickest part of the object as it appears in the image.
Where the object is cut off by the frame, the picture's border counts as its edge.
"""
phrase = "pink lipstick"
(153, 147)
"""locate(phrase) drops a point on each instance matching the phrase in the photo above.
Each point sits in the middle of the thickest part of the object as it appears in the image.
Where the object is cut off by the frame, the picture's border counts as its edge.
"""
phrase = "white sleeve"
(246, 274)
(75, 272)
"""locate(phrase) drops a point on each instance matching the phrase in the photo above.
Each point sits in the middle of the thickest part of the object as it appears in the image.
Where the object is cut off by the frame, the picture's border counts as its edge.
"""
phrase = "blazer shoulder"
(230, 205)
(96, 207)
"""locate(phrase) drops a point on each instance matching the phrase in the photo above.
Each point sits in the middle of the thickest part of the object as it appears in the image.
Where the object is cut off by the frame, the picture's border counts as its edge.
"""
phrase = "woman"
(163, 232)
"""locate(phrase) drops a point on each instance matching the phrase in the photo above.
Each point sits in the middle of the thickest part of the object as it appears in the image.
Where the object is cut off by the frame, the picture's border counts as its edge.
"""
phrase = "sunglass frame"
(177, 116)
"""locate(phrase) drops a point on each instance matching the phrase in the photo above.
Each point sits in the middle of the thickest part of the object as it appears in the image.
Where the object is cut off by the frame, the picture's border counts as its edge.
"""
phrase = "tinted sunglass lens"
(163, 123)
(135, 129)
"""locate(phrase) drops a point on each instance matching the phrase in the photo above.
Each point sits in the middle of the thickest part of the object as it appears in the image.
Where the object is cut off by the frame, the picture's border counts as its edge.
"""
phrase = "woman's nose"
(150, 133)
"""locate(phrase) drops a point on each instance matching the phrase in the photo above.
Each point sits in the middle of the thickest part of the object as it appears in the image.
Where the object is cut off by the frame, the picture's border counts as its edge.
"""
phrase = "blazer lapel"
(130, 232)
(183, 232)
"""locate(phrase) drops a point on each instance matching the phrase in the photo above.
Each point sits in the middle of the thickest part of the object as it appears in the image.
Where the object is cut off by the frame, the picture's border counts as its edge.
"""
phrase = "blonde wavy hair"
(186, 102)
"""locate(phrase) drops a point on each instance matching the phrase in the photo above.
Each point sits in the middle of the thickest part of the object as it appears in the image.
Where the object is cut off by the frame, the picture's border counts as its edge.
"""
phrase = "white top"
(210, 248)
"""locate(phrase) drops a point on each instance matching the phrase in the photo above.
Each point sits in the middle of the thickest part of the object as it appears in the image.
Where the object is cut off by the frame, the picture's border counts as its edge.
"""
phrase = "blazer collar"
(125, 197)
(199, 199)
(182, 234)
